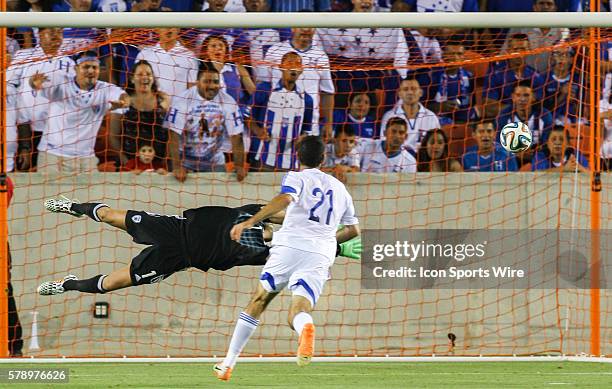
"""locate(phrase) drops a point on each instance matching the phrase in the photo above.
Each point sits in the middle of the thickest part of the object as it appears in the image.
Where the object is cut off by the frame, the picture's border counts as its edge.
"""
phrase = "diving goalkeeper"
(200, 239)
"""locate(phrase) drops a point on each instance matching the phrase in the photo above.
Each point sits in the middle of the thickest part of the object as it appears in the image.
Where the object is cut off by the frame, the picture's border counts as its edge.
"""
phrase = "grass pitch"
(335, 375)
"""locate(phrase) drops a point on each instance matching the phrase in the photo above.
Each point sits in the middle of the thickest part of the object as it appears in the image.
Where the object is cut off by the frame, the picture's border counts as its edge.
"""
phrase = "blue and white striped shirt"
(284, 115)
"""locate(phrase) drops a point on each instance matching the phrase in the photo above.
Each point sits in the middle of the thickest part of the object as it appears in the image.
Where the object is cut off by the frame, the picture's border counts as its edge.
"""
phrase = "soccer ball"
(515, 137)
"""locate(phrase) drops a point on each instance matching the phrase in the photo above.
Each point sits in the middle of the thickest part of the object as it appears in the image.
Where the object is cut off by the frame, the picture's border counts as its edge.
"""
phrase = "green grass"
(337, 375)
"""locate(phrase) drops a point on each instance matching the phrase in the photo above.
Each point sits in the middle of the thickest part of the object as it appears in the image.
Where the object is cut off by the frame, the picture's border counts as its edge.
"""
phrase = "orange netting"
(387, 100)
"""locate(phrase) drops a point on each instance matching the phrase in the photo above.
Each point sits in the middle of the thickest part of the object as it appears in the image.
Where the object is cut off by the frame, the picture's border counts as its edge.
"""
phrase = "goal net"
(452, 89)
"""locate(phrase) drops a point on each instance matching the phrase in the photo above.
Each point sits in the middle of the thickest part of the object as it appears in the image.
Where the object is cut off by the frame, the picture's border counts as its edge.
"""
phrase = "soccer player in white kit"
(302, 252)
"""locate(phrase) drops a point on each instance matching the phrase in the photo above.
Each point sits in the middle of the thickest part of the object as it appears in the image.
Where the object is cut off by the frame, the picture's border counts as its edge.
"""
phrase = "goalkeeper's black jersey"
(208, 242)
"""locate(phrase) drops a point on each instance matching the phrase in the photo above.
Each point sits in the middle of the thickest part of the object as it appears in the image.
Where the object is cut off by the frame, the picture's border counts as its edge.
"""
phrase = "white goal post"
(533, 358)
(315, 19)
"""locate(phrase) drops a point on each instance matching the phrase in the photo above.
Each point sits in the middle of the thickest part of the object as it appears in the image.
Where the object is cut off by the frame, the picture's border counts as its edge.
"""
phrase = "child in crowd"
(145, 160)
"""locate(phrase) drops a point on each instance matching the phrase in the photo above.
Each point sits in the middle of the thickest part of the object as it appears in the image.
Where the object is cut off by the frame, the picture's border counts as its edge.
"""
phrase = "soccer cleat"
(306, 346)
(54, 287)
(223, 373)
(61, 205)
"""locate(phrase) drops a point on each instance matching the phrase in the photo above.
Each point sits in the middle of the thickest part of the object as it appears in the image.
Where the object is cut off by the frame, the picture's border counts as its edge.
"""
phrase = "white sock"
(300, 320)
(245, 327)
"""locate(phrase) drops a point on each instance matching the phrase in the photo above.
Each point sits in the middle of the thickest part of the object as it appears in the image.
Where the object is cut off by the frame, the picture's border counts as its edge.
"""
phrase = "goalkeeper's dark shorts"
(166, 252)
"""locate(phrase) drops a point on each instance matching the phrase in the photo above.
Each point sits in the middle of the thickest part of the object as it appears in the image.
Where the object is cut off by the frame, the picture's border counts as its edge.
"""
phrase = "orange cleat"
(306, 347)
(223, 373)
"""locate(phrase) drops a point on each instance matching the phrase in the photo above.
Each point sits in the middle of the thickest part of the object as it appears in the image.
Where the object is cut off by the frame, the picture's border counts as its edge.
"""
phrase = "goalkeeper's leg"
(101, 283)
(113, 217)
(99, 212)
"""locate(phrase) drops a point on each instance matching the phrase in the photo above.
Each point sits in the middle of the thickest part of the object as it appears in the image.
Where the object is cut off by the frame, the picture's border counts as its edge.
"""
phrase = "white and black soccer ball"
(515, 137)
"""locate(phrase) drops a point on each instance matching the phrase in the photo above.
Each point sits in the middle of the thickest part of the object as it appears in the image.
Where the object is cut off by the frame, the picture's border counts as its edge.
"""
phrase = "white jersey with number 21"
(320, 204)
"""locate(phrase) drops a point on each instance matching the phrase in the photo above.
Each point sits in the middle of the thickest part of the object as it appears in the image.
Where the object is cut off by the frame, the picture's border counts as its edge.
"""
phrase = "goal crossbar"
(315, 19)
(552, 358)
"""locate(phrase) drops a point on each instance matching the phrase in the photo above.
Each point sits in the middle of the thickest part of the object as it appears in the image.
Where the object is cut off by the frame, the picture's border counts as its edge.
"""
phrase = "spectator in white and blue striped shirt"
(281, 113)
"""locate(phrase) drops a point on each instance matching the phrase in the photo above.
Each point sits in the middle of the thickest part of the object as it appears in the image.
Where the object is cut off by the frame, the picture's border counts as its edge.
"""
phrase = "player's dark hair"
(345, 129)
(425, 161)
(397, 120)
(311, 151)
(206, 67)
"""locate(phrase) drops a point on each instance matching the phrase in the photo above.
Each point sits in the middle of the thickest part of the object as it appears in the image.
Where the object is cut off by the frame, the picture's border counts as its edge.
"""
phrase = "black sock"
(90, 285)
(89, 209)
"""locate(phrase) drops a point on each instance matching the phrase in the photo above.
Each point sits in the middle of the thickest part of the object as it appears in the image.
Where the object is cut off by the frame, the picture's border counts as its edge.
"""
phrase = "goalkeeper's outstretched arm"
(278, 217)
(349, 243)
(347, 233)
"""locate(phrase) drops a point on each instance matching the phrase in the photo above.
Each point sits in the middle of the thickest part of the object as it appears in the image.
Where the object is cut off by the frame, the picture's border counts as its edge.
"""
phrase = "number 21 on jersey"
(319, 208)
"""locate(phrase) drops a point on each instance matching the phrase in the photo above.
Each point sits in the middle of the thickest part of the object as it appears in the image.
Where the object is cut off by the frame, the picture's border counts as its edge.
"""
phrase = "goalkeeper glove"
(350, 249)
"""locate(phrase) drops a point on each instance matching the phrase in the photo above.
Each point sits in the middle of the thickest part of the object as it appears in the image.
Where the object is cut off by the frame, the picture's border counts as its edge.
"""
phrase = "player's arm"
(278, 217)
(347, 237)
(347, 233)
(276, 205)
(268, 232)
(348, 242)
(252, 209)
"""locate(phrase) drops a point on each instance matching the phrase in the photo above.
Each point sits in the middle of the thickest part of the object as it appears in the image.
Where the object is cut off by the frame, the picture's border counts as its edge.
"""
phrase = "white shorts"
(304, 272)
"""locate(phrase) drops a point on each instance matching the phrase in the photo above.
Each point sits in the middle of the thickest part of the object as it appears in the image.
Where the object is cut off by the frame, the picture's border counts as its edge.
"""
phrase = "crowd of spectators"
(385, 99)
